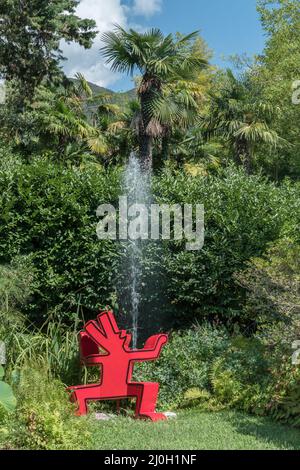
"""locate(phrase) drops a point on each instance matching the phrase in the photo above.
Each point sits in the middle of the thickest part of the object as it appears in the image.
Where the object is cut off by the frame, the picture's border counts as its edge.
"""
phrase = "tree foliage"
(275, 72)
(160, 60)
(240, 117)
(31, 32)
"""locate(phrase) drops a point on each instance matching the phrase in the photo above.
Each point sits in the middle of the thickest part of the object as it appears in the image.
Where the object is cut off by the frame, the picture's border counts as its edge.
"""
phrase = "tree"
(30, 36)
(179, 110)
(237, 115)
(55, 120)
(275, 72)
(160, 60)
(61, 118)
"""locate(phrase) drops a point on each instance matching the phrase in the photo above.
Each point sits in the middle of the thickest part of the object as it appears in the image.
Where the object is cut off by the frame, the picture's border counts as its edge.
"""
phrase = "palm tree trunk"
(248, 162)
(145, 150)
(165, 148)
(243, 155)
(145, 141)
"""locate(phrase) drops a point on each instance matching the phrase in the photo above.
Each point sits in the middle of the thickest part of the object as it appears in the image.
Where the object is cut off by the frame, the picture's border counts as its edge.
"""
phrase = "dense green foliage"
(208, 369)
(48, 212)
(160, 61)
(242, 119)
(242, 215)
(275, 74)
(31, 32)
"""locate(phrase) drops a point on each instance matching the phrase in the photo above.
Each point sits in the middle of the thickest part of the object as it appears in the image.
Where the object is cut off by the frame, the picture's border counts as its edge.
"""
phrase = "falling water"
(138, 190)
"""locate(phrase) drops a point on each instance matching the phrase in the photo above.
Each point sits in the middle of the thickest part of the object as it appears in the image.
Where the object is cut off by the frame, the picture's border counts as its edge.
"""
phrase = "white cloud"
(106, 13)
(147, 7)
(89, 62)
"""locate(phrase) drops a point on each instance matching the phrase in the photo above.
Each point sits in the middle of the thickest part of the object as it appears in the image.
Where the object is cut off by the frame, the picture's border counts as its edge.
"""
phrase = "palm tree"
(61, 115)
(160, 60)
(237, 115)
(103, 110)
(178, 110)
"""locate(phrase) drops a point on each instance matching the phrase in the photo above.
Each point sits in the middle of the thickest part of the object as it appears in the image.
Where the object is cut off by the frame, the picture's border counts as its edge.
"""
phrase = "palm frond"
(97, 145)
(83, 86)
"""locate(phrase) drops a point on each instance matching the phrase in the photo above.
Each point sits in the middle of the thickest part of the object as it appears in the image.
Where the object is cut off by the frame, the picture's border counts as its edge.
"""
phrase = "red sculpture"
(104, 345)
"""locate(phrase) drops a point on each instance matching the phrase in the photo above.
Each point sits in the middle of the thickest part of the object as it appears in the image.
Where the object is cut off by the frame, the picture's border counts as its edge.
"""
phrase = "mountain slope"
(119, 98)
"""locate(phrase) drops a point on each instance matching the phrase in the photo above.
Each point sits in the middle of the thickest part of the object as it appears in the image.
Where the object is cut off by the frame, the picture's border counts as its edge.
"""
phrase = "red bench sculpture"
(103, 344)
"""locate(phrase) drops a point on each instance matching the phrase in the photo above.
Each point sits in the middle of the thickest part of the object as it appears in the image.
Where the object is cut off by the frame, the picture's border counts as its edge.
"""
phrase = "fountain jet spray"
(137, 186)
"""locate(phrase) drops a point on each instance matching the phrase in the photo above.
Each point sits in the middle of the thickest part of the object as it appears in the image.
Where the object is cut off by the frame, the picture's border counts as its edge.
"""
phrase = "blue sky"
(228, 26)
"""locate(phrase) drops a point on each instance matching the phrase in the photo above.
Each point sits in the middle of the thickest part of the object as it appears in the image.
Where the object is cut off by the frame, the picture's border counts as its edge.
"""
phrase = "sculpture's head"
(125, 338)
(103, 337)
(109, 328)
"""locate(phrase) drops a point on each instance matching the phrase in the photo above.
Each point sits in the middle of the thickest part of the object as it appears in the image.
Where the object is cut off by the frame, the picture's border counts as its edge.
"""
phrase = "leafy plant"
(71, 265)
(45, 418)
(185, 363)
(242, 215)
(33, 35)
(7, 398)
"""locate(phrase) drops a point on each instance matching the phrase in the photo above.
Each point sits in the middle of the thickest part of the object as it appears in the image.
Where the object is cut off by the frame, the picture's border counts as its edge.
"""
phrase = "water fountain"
(137, 188)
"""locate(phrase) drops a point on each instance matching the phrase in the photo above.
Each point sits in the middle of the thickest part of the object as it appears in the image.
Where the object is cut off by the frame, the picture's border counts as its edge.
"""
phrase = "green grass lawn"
(194, 430)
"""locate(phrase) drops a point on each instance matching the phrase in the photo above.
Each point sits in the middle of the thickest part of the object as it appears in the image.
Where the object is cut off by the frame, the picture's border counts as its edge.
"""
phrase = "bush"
(241, 378)
(272, 302)
(211, 370)
(272, 290)
(54, 346)
(284, 405)
(48, 211)
(185, 363)
(242, 215)
(44, 418)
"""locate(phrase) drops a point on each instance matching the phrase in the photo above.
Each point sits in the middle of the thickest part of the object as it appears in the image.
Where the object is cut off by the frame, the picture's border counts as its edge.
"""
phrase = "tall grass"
(53, 347)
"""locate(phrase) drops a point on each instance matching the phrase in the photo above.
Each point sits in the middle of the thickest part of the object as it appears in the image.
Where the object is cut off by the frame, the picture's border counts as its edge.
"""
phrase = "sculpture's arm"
(152, 349)
(95, 359)
(93, 330)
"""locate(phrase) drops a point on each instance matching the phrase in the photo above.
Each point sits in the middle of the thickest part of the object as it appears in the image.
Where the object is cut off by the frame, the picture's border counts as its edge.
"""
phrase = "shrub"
(54, 346)
(242, 215)
(241, 378)
(284, 405)
(44, 418)
(185, 363)
(272, 302)
(48, 211)
(209, 369)
(272, 287)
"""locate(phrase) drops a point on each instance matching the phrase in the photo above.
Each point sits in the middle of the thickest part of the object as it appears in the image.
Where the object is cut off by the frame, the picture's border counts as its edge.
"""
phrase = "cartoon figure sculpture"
(104, 345)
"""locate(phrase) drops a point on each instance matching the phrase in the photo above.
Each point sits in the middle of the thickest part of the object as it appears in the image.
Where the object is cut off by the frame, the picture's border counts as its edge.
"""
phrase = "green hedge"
(242, 215)
(47, 212)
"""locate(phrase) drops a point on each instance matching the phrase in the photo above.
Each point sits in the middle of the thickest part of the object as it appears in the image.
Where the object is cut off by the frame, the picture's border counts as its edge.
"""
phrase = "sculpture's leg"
(84, 394)
(78, 397)
(146, 394)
